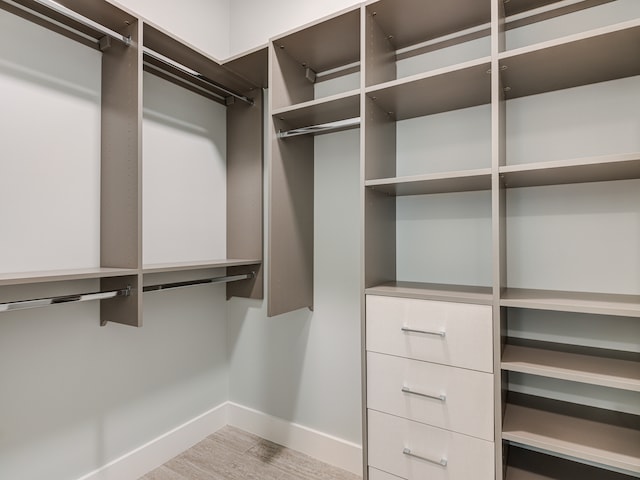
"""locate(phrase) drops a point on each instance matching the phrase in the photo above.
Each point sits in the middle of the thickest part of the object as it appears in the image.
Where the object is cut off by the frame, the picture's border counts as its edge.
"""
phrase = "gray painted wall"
(304, 366)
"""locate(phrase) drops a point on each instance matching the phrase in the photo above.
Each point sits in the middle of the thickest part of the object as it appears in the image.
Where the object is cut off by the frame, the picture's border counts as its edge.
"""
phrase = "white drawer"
(463, 398)
(457, 334)
(413, 451)
(380, 475)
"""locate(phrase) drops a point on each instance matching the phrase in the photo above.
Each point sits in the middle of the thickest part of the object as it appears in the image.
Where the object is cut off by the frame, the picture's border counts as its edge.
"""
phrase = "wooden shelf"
(592, 303)
(102, 12)
(605, 444)
(523, 464)
(23, 278)
(164, 43)
(410, 22)
(451, 88)
(252, 65)
(185, 266)
(592, 57)
(448, 182)
(330, 43)
(324, 110)
(607, 372)
(592, 169)
(434, 291)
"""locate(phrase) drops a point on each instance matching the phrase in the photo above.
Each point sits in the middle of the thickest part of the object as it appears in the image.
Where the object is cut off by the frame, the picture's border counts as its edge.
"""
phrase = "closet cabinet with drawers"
(500, 278)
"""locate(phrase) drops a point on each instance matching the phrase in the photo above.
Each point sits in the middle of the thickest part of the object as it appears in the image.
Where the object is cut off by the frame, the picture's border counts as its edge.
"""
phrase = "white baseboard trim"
(158, 451)
(329, 449)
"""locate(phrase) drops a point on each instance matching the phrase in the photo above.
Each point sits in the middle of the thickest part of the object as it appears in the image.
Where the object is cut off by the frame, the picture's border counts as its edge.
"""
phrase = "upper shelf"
(596, 56)
(252, 66)
(162, 42)
(433, 291)
(448, 182)
(324, 110)
(451, 88)
(607, 372)
(592, 303)
(208, 264)
(330, 43)
(55, 17)
(22, 278)
(592, 169)
(408, 22)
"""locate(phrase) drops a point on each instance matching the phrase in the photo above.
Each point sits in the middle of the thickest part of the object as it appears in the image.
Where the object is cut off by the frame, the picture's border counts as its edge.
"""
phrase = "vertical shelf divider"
(364, 66)
(378, 52)
(291, 201)
(380, 208)
(245, 192)
(121, 202)
(498, 218)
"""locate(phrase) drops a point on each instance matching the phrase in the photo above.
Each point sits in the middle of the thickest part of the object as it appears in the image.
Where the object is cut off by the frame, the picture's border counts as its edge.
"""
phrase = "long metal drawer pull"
(440, 333)
(406, 389)
(442, 462)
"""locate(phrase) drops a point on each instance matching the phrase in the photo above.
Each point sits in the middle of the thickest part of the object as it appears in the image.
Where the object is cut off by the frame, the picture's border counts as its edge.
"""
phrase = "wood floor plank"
(164, 473)
(233, 454)
(297, 464)
(233, 438)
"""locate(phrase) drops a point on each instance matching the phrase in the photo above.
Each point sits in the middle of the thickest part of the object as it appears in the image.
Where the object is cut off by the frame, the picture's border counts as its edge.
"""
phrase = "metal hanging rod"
(191, 283)
(183, 81)
(351, 67)
(322, 128)
(56, 7)
(81, 297)
(192, 73)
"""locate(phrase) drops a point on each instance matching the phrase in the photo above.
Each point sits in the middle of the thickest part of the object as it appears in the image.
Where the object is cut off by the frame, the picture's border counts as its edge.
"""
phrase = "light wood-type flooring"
(233, 454)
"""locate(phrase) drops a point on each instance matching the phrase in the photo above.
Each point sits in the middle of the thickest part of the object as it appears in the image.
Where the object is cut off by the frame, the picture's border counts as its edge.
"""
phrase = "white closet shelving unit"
(564, 407)
(129, 44)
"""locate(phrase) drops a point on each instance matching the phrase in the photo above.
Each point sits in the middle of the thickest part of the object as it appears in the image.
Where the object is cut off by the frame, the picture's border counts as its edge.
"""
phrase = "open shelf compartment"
(595, 56)
(324, 111)
(312, 54)
(585, 434)
(450, 88)
(526, 464)
(580, 302)
(405, 36)
(575, 367)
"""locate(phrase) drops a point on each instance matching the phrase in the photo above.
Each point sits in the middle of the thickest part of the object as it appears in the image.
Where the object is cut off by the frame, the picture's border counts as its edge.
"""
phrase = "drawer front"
(446, 397)
(457, 334)
(414, 451)
(380, 475)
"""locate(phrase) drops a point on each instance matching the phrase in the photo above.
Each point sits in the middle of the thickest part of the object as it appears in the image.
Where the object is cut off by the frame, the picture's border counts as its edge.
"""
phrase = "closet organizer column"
(121, 156)
(121, 202)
